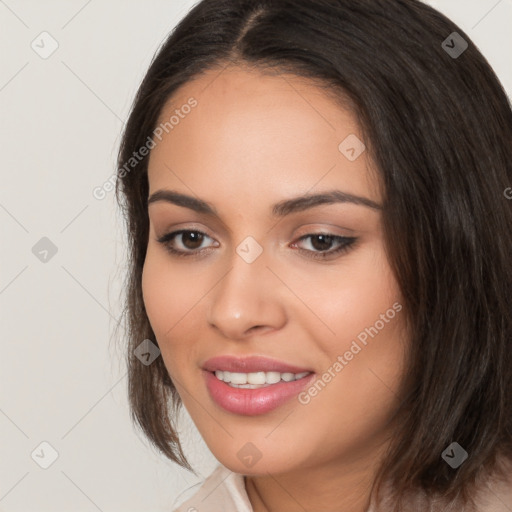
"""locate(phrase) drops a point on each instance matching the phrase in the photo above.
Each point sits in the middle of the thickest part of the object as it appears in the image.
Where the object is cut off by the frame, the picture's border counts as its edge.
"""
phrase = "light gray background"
(62, 379)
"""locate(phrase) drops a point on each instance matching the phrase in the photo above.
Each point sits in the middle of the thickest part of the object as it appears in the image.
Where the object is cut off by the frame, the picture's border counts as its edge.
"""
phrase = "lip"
(251, 402)
(250, 364)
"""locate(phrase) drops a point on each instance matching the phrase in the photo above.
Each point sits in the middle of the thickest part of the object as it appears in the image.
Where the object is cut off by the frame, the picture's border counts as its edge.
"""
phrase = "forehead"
(258, 136)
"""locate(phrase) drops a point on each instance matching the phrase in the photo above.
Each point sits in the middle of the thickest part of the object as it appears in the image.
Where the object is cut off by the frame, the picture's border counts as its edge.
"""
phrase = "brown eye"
(192, 239)
(321, 244)
(189, 244)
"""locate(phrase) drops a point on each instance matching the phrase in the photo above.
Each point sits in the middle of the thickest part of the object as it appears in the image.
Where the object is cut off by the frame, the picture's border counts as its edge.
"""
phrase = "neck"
(327, 488)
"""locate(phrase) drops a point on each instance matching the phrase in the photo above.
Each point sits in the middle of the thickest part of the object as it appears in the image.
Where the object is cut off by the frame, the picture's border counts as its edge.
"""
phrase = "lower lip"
(251, 402)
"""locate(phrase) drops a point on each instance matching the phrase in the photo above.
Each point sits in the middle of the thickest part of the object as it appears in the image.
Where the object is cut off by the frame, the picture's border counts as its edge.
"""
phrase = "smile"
(245, 398)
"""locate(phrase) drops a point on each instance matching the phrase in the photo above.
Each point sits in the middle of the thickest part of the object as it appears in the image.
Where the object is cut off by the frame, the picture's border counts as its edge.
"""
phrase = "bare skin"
(252, 141)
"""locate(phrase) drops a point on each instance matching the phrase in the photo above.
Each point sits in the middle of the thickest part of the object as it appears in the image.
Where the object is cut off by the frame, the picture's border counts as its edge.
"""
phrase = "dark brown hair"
(438, 127)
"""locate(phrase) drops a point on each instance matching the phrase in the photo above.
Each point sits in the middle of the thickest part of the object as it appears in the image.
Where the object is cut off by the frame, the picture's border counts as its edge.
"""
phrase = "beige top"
(224, 491)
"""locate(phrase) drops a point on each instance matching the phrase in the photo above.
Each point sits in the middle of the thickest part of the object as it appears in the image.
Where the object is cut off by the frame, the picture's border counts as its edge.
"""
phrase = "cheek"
(353, 297)
(159, 300)
(169, 298)
(366, 350)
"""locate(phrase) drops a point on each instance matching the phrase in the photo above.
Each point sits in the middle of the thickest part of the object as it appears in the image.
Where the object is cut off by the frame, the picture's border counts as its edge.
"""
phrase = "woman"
(320, 251)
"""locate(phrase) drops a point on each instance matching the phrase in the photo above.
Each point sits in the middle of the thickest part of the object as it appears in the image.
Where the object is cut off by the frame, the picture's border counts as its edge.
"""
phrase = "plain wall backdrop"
(70, 69)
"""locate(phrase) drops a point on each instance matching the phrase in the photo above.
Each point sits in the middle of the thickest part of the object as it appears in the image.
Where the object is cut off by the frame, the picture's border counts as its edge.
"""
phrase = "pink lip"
(250, 364)
(251, 402)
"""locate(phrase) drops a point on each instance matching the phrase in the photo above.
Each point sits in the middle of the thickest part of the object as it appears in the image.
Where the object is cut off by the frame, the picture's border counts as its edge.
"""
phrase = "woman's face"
(255, 284)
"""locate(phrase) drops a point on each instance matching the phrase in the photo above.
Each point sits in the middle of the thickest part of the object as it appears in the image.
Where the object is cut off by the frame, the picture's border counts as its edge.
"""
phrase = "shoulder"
(496, 493)
(222, 491)
(492, 493)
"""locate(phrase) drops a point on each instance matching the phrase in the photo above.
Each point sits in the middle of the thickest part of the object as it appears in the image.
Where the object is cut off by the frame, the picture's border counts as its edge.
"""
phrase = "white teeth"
(272, 377)
(238, 378)
(256, 379)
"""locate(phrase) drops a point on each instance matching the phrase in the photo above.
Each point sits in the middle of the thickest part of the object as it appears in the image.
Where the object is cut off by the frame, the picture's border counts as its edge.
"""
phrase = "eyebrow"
(280, 209)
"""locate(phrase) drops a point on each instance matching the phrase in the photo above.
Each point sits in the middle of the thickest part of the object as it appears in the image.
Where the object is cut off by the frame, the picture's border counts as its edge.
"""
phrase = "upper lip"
(250, 364)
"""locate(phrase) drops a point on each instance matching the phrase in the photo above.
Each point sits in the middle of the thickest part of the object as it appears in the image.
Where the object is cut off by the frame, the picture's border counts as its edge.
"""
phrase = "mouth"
(254, 393)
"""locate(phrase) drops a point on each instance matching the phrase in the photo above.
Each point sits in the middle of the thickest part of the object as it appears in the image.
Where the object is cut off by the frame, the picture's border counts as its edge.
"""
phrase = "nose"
(247, 299)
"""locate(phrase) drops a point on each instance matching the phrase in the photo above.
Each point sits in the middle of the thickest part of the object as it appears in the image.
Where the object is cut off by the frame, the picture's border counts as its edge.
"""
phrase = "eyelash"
(346, 243)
